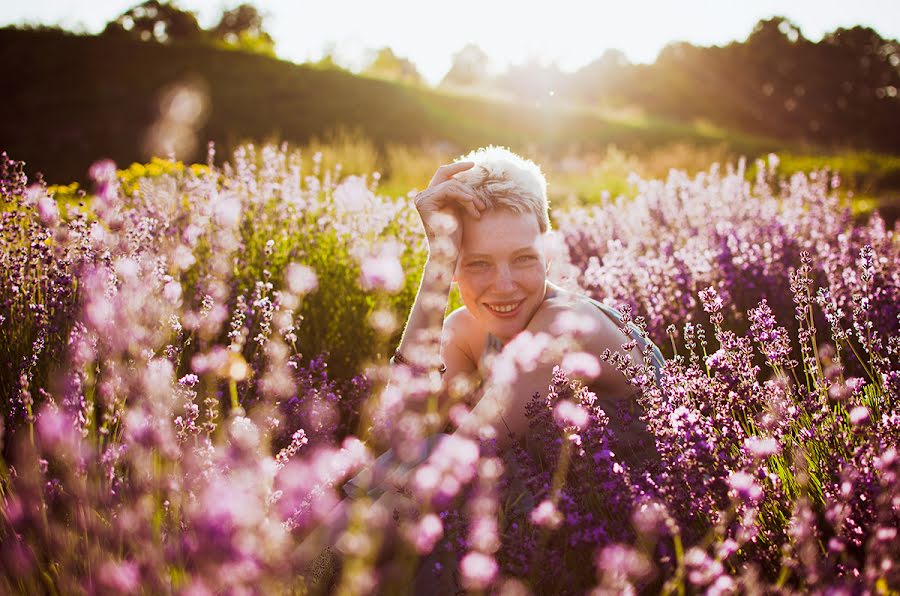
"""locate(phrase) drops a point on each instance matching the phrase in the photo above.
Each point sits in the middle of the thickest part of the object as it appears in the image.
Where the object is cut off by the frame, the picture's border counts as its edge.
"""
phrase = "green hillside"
(73, 99)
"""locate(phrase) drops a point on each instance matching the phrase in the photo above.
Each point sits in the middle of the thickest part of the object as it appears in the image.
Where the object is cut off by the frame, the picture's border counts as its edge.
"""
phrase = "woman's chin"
(506, 325)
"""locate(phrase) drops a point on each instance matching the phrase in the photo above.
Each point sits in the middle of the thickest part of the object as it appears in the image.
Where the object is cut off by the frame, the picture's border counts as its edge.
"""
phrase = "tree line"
(839, 92)
(164, 22)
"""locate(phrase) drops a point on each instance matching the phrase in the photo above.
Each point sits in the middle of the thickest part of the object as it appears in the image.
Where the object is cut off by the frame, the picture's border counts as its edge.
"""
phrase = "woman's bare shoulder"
(567, 312)
(460, 319)
(552, 314)
(461, 330)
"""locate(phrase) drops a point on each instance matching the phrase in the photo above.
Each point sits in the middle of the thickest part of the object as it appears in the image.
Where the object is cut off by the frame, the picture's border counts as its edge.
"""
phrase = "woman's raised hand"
(440, 207)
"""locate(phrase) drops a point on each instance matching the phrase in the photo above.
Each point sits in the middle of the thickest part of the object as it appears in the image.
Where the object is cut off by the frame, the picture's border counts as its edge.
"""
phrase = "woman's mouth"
(504, 310)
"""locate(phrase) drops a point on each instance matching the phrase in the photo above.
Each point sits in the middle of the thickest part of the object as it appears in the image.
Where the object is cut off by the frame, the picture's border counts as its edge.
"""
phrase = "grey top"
(631, 441)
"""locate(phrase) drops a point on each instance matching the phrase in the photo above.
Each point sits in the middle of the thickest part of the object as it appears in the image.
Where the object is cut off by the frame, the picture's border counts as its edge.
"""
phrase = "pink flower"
(172, 292)
(191, 234)
(301, 280)
(382, 272)
(121, 578)
(483, 533)
(568, 414)
(745, 487)
(712, 302)
(103, 170)
(55, 428)
(227, 212)
(546, 515)
(571, 323)
(527, 349)
(624, 561)
(352, 194)
(48, 211)
(456, 454)
(182, 257)
(478, 570)
(425, 482)
(581, 365)
(860, 416)
(425, 533)
(761, 447)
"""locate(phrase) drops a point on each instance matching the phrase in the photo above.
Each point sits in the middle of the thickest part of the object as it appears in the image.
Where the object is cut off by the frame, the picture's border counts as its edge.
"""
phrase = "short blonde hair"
(506, 180)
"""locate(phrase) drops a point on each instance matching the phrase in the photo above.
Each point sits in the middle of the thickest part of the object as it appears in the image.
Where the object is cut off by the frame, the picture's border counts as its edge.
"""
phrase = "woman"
(486, 220)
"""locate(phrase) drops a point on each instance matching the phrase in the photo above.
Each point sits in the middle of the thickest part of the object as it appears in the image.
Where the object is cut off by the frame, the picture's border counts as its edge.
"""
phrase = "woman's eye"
(478, 264)
(526, 258)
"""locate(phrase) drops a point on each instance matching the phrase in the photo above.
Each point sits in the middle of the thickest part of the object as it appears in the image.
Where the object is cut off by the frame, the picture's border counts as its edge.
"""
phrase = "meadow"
(194, 360)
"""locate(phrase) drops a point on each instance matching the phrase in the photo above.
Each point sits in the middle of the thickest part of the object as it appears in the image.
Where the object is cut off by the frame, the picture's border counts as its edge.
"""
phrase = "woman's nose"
(504, 280)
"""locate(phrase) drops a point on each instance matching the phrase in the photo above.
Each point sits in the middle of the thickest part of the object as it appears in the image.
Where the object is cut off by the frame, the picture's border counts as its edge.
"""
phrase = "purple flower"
(712, 302)
(773, 340)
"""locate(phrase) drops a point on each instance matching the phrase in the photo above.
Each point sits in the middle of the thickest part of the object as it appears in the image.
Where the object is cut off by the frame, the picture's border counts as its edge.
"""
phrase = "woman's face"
(502, 270)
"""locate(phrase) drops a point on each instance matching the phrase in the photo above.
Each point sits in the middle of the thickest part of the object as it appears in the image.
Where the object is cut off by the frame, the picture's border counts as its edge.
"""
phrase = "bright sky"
(570, 32)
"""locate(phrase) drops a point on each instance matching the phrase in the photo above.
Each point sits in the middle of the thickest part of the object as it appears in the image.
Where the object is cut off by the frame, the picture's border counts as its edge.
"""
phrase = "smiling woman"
(486, 219)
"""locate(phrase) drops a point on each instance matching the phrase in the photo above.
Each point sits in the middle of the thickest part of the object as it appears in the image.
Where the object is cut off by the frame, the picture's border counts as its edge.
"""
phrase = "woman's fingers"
(464, 197)
(469, 193)
(446, 171)
(450, 194)
(472, 210)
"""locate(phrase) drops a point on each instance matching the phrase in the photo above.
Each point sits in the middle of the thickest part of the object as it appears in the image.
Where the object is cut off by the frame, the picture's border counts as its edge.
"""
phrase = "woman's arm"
(428, 342)
(420, 343)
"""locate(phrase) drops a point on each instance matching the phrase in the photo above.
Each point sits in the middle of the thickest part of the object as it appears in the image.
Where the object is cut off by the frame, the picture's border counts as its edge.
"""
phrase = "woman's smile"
(505, 310)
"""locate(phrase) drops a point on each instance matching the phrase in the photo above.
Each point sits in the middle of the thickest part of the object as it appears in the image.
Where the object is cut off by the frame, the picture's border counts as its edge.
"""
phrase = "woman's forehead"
(500, 231)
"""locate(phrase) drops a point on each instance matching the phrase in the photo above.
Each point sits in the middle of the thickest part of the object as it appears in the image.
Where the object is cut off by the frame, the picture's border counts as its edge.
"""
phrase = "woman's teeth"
(504, 308)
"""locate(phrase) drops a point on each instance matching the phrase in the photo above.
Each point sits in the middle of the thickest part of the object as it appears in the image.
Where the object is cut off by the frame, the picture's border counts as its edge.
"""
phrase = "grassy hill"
(70, 100)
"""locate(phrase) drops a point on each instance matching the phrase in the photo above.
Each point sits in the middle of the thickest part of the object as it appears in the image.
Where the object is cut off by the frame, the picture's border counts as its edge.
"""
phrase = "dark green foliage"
(837, 93)
(74, 99)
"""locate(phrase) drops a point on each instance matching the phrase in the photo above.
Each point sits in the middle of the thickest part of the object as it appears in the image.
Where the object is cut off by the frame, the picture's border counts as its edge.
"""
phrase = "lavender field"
(193, 363)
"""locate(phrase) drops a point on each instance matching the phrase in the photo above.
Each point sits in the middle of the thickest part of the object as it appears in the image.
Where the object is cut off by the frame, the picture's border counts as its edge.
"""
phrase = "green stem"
(232, 390)
(861, 362)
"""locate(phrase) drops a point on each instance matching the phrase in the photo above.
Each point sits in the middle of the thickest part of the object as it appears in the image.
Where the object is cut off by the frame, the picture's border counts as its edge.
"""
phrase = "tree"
(469, 69)
(242, 27)
(157, 21)
(602, 79)
(534, 80)
(388, 65)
